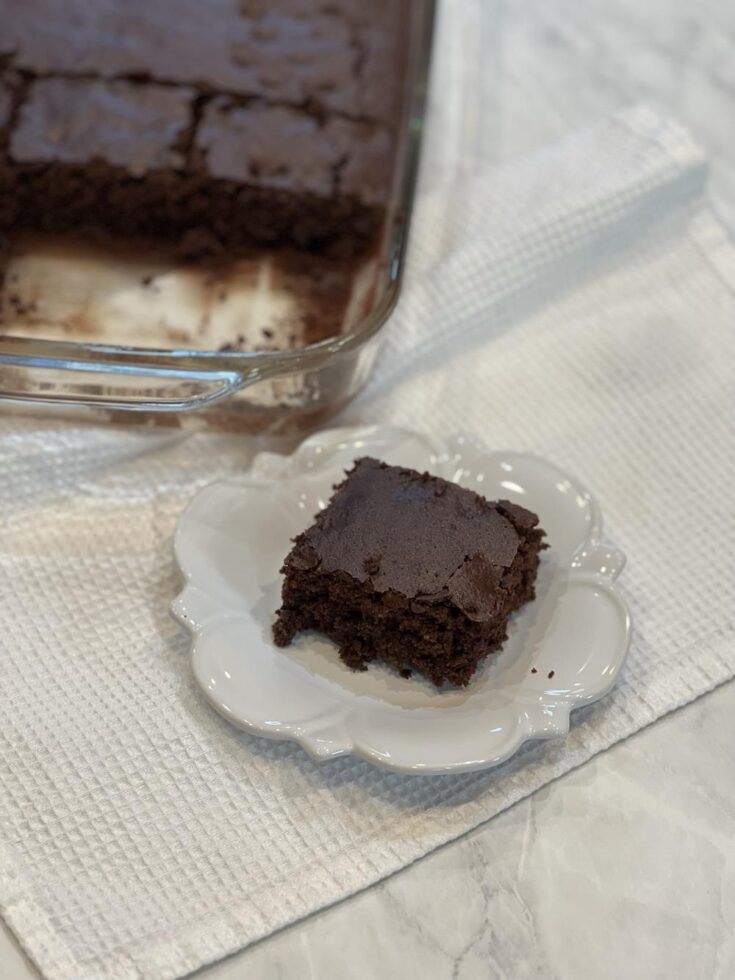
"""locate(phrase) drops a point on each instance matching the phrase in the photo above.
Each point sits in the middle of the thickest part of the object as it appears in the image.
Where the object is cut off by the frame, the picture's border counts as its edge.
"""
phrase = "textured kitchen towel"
(579, 303)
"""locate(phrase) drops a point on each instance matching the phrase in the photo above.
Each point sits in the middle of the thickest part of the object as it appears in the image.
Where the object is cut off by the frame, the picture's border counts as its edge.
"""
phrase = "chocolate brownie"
(252, 121)
(412, 570)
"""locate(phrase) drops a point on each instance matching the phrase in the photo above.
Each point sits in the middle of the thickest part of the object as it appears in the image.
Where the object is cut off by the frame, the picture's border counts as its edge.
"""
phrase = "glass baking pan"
(115, 334)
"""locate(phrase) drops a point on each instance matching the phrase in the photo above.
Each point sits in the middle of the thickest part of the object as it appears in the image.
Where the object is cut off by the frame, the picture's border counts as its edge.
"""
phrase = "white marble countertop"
(625, 867)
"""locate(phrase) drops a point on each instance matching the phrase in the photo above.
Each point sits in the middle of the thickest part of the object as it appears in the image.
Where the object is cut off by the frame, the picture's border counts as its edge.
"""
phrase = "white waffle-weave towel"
(580, 304)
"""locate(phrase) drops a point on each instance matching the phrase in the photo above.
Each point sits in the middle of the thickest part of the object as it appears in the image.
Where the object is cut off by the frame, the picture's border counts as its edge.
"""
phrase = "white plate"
(230, 543)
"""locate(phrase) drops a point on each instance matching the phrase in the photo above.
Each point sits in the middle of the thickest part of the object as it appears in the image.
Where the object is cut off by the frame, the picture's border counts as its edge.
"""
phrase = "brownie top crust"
(281, 148)
(417, 535)
(341, 53)
(72, 120)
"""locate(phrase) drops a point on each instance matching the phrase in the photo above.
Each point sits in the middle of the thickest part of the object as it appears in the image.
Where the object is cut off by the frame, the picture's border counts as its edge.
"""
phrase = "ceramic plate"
(565, 649)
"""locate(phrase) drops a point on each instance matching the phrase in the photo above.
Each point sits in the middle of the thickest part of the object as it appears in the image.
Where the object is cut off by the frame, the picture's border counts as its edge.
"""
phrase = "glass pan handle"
(132, 381)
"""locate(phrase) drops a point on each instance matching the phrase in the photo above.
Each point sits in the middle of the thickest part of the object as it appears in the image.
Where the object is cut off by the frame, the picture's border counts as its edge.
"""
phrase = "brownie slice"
(286, 150)
(412, 570)
(77, 120)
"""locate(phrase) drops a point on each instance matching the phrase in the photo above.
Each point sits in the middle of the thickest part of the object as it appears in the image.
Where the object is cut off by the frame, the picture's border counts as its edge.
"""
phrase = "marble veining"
(623, 868)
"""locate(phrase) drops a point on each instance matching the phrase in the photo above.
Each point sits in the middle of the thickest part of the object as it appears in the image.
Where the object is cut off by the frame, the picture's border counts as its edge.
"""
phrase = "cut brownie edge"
(102, 199)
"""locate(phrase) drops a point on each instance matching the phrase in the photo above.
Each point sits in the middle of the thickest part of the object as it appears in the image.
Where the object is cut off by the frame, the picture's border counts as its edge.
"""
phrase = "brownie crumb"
(233, 346)
(533, 670)
(20, 306)
(551, 674)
